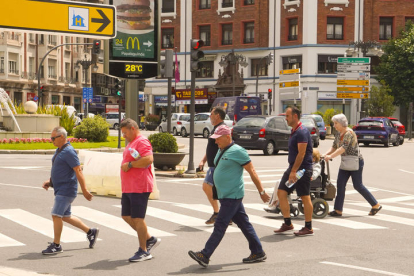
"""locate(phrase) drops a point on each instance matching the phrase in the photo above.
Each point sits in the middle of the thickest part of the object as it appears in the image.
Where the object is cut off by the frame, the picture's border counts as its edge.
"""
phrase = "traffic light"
(96, 47)
(118, 87)
(166, 64)
(40, 92)
(196, 54)
(270, 94)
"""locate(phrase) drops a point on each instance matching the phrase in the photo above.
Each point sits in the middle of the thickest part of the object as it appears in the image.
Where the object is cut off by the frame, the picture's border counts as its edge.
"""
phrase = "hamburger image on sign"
(134, 14)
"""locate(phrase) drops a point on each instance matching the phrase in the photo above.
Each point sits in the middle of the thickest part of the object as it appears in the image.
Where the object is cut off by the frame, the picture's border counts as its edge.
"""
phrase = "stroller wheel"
(294, 211)
(320, 208)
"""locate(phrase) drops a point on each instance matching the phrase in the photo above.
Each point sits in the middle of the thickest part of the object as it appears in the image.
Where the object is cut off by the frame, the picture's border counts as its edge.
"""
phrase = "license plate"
(369, 137)
(245, 136)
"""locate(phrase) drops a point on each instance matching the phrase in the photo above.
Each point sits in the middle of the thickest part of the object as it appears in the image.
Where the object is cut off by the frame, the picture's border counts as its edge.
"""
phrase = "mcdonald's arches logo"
(133, 40)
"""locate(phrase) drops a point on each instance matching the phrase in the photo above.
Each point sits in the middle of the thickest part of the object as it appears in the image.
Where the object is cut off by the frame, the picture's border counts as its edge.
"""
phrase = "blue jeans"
(232, 209)
(343, 177)
(62, 205)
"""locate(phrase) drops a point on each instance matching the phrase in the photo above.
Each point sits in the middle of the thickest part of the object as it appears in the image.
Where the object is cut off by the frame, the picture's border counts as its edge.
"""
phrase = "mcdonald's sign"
(131, 41)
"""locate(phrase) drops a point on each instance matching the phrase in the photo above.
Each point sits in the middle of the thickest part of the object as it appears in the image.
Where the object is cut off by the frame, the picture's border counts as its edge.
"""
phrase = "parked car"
(400, 127)
(113, 119)
(311, 125)
(372, 130)
(239, 107)
(320, 123)
(177, 120)
(261, 132)
(202, 125)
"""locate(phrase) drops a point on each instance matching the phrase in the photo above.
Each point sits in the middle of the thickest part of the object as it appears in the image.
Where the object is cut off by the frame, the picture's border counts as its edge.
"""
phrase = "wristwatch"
(262, 192)
(129, 165)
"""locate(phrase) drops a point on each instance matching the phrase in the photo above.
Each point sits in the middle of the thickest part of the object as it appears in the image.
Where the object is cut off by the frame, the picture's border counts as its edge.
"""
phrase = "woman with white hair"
(352, 163)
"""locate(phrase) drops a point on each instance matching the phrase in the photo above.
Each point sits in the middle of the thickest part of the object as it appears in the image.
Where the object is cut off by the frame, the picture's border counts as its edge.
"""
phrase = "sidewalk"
(8, 271)
(52, 151)
(179, 172)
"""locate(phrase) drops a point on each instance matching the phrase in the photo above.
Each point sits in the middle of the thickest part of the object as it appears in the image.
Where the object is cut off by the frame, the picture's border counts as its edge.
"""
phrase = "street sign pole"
(190, 168)
(169, 106)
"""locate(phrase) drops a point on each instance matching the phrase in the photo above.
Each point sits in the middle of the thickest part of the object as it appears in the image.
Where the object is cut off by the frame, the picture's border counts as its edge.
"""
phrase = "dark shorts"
(134, 205)
(302, 186)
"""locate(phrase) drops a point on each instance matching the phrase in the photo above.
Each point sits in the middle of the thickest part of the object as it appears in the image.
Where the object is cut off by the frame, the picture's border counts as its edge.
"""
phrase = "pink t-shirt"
(137, 180)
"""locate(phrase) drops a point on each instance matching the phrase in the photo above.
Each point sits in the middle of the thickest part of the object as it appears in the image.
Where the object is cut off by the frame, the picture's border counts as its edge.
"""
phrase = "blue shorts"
(209, 176)
(61, 208)
(134, 205)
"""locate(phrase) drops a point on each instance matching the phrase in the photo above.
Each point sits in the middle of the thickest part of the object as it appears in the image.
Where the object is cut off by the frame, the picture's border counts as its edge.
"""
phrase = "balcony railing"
(168, 45)
(292, 37)
(227, 42)
(15, 72)
(249, 40)
(335, 36)
(52, 77)
(227, 4)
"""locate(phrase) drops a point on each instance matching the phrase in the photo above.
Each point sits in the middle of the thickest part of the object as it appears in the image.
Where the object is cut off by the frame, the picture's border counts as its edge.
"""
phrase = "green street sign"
(364, 60)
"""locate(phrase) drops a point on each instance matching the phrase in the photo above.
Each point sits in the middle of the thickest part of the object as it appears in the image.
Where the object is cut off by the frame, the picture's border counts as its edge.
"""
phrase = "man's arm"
(203, 162)
(141, 163)
(81, 179)
(255, 178)
(299, 158)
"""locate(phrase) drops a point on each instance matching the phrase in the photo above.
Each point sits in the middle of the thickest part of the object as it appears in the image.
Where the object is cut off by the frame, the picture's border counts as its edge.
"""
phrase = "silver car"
(177, 120)
(202, 125)
(113, 119)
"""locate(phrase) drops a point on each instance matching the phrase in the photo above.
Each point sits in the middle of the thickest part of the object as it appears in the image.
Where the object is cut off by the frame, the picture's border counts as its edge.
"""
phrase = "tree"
(396, 68)
(380, 103)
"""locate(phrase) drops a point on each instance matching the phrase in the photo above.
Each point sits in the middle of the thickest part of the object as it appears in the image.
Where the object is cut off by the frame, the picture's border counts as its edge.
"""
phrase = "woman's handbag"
(349, 163)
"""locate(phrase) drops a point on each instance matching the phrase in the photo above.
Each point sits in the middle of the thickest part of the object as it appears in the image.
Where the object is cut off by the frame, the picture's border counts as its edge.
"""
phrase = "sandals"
(374, 211)
(334, 214)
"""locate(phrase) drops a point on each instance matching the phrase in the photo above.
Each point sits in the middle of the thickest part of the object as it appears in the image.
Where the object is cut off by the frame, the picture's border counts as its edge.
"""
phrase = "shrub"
(94, 129)
(163, 142)
(329, 113)
(152, 119)
(66, 121)
(318, 113)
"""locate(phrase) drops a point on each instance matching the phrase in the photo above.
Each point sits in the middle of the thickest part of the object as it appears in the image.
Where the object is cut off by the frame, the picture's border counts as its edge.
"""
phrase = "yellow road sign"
(290, 71)
(352, 82)
(58, 16)
(352, 95)
(288, 84)
(349, 88)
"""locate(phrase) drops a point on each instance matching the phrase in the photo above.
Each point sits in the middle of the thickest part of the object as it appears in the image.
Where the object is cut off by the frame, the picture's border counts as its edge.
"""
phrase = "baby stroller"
(321, 190)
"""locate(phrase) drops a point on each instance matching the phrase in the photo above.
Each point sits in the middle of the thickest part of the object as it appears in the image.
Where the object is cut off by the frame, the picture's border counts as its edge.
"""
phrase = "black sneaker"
(92, 237)
(212, 219)
(140, 256)
(152, 243)
(52, 249)
(199, 257)
(254, 258)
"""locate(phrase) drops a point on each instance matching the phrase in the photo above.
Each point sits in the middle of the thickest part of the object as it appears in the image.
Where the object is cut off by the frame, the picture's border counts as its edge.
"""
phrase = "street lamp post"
(233, 59)
(86, 63)
(269, 60)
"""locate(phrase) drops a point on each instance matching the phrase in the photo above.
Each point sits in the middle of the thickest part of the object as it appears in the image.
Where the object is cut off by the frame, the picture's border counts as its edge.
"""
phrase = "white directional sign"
(354, 75)
(346, 67)
(292, 77)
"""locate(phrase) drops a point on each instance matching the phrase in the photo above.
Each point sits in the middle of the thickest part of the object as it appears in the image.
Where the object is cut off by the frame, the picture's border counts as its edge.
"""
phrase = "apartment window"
(32, 38)
(249, 2)
(1, 64)
(67, 71)
(227, 3)
(55, 99)
(13, 67)
(205, 4)
(66, 100)
(167, 38)
(52, 40)
(249, 32)
(385, 28)
(292, 62)
(205, 35)
(51, 72)
(18, 97)
(335, 28)
(31, 67)
(41, 39)
(327, 64)
(227, 34)
(167, 6)
(206, 70)
(293, 29)
(67, 40)
(259, 69)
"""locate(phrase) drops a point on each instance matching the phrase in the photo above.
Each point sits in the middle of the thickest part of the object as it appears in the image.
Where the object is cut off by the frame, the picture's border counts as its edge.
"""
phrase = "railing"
(335, 36)
(227, 42)
(169, 45)
(249, 40)
(292, 37)
(15, 72)
(52, 77)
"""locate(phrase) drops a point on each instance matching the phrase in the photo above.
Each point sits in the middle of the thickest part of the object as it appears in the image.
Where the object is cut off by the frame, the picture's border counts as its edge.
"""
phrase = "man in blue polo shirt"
(230, 161)
(300, 157)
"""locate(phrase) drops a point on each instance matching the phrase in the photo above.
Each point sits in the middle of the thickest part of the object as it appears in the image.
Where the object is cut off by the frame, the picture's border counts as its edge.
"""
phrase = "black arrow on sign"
(104, 20)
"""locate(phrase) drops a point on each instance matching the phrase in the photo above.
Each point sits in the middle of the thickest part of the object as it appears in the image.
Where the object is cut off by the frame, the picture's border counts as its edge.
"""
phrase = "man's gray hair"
(61, 131)
(340, 119)
(128, 123)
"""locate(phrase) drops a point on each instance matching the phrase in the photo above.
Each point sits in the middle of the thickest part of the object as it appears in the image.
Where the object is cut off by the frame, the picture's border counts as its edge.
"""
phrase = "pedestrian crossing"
(178, 215)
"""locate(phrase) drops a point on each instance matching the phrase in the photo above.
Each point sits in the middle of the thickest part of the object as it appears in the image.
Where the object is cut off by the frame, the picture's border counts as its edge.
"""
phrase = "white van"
(70, 109)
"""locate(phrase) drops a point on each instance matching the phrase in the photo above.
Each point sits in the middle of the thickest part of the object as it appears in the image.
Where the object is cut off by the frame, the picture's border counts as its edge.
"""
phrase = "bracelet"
(262, 192)
(129, 165)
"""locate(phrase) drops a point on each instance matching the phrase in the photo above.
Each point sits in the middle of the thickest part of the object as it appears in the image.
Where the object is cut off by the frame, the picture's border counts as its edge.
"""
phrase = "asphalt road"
(356, 244)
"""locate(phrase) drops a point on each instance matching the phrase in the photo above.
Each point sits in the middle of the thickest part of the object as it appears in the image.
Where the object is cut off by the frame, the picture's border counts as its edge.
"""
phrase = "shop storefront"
(161, 104)
(183, 99)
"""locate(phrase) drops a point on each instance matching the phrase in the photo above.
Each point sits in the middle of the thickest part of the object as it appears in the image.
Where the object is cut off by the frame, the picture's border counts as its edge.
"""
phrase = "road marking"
(364, 269)
(352, 192)
(6, 241)
(41, 225)
(406, 171)
(274, 170)
(21, 186)
(389, 208)
(182, 219)
(397, 199)
(112, 222)
(380, 216)
(23, 168)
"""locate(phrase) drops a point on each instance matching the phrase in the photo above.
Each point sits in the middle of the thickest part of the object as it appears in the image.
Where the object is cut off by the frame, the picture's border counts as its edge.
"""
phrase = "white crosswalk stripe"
(7, 241)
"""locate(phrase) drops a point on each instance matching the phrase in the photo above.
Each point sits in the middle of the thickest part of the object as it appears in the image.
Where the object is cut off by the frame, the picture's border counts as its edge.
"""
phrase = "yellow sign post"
(360, 89)
(352, 95)
(290, 71)
(58, 16)
(352, 82)
(288, 84)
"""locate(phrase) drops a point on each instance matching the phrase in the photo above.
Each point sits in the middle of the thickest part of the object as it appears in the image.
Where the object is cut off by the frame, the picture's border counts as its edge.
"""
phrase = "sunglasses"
(53, 138)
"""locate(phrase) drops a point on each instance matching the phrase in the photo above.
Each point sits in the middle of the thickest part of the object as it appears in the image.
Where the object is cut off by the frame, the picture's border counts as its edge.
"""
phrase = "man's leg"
(284, 203)
(208, 190)
(133, 225)
(308, 207)
(282, 194)
(142, 230)
(57, 229)
(75, 221)
(303, 190)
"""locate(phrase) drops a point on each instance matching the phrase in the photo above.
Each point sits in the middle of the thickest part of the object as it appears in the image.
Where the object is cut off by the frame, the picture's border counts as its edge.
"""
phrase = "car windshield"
(251, 122)
(398, 123)
(184, 117)
(370, 123)
(318, 118)
(307, 122)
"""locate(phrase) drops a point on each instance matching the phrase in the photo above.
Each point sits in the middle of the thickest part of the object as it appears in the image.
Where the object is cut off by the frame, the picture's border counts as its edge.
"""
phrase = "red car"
(400, 127)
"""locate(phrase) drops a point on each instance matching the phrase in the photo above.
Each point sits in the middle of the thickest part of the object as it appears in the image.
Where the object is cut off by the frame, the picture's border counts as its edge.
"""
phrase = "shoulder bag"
(350, 162)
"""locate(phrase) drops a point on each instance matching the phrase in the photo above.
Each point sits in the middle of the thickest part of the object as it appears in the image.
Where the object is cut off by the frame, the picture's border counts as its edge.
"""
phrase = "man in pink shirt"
(137, 184)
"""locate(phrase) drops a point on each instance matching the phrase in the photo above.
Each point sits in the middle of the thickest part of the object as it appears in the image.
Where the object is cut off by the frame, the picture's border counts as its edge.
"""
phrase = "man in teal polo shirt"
(230, 161)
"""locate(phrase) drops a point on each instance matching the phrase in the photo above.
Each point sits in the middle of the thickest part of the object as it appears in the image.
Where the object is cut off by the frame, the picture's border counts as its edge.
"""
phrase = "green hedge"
(94, 129)
(163, 142)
